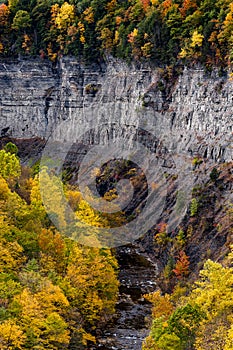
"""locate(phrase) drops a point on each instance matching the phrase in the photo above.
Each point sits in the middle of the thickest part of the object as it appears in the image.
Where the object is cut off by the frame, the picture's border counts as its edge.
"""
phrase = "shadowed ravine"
(137, 276)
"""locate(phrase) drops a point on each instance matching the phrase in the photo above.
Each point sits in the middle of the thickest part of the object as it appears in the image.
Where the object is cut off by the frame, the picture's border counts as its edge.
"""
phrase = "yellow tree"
(229, 339)
(87, 226)
(11, 336)
(37, 208)
(52, 194)
(53, 251)
(11, 256)
(192, 46)
(91, 274)
(39, 315)
(161, 304)
(65, 16)
(89, 15)
(214, 295)
(196, 40)
(62, 27)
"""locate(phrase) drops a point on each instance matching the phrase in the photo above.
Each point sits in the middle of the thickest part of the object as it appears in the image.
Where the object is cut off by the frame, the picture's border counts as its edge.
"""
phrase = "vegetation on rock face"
(190, 312)
(53, 291)
(163, 31)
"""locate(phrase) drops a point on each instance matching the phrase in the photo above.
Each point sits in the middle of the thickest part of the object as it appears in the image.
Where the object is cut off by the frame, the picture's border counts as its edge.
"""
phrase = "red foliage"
(182, 265)
(145, 4)
(42, 54)
(162, 227)
(166, 5)
(187, 4)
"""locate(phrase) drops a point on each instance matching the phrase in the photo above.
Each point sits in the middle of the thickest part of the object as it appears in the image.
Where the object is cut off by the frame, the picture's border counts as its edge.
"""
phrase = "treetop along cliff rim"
(149, 160)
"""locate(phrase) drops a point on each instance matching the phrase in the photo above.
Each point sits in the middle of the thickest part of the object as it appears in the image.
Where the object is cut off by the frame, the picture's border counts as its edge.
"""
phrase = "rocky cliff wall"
(195, 113)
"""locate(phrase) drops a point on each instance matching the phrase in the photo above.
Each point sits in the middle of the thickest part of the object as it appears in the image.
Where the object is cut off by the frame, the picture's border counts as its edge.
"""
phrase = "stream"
(137, 276)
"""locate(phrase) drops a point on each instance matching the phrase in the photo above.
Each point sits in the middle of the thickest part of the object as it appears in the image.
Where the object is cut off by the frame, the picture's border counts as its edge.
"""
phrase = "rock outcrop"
(36, 97)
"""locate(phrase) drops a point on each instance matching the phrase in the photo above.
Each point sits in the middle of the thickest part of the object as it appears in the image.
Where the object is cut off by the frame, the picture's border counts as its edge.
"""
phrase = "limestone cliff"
(197, 108)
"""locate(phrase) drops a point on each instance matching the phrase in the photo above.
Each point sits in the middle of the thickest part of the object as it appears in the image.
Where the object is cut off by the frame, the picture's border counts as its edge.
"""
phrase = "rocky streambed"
(130, 326)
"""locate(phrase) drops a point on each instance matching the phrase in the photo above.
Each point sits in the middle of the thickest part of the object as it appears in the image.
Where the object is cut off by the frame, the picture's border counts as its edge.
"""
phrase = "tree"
(145, 4)
(169, 342)
(184, 322)
(213, 294)
(39, 316)
(11, 148)
(182, 265)
(91, 277)
(65, 16)
(11, 256)
(89, 15)
(21, 21)
(162, 306)
(9, 165)
(11, 336)
(229, 340)
(53, 251)
(56, 330)
(4, 190)
(27, 43)
(52, 194)
(192, 47)
(193, 207)
(88, 224)
(216, 282)
(178, 330)
(51, 288)
(186, 6)
(4, 15)
(196, 40)
(162, 237)
(166, 7)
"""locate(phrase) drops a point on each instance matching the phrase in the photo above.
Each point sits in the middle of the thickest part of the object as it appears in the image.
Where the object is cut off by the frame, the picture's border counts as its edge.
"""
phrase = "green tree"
(11, 148)
(9, 165)
(21, 21)
(193, 207)
(169, 342)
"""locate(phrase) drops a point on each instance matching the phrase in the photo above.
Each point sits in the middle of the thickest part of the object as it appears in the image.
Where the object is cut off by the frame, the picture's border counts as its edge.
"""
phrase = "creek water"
(131, 325)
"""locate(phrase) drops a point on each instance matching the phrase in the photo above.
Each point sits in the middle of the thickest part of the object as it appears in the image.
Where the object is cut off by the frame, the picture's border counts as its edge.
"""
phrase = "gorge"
(183, 113)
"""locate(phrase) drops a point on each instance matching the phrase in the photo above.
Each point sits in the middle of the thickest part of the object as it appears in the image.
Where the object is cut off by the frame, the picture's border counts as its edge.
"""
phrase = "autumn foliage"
(182, 265)
(165, 31)
(200, 319)
(52, 290)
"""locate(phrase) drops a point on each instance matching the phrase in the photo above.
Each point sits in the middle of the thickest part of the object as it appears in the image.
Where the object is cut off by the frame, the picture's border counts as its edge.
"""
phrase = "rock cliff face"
(196, 110)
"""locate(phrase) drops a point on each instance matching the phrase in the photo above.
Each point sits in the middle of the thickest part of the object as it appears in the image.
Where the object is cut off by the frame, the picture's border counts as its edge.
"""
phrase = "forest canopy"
(200, 318)
(53, 291)
(165, 32)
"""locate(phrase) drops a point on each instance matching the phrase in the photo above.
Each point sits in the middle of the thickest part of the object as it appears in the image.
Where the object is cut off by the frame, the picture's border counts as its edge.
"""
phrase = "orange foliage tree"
(187, 5)
(4, 14)
(182, 265)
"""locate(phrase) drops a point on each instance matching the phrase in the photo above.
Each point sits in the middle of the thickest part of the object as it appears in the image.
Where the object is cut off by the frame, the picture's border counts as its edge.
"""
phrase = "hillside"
(164, 32)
